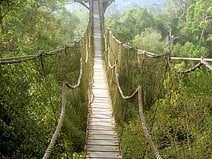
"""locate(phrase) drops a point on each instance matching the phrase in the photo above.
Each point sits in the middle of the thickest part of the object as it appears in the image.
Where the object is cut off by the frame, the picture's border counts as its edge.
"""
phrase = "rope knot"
(202, 61)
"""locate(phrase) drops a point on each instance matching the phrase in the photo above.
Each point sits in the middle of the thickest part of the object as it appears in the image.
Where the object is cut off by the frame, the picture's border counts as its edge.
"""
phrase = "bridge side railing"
(44, 73)
(145, 73)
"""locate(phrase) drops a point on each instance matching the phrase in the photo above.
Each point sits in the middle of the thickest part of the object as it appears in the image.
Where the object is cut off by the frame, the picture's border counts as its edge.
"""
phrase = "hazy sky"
(122, 4)
(138, 2)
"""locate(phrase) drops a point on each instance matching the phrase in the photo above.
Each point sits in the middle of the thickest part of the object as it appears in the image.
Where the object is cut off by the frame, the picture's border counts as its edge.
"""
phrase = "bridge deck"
(102, 141)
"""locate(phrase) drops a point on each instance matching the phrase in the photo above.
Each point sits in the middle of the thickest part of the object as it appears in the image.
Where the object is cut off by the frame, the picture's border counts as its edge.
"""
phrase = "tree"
(149, 40)
(131, 23)
(30, 91)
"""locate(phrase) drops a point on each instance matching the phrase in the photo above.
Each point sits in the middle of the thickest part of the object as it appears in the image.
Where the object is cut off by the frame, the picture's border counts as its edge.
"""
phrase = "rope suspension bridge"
(103, 64)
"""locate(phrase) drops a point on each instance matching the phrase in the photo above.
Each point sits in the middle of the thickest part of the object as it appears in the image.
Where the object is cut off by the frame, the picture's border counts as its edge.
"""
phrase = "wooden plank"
(100, 104)
(102, 148)
(100, 108)
(102, 132)
(102, 127)
(103, 116)
(96, 101)
(99, 119)
(100, 91)
(93, 113)
(98, 114)
(100, 123)
(101, 111)
(103, 136)
(103, 142)
(110, 155)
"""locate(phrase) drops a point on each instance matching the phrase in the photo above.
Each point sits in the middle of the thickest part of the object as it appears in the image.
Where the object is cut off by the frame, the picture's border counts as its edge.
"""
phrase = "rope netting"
(146, 131)
(30, 96)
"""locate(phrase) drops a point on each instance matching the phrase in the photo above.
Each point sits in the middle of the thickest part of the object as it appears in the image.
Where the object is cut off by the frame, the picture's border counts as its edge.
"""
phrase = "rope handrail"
(108, 60)
(149, 54)
(19, 59)
(59, 125)
(192, 69)
(119, 87)
(140, 104)
(62, 114)
(190, 59)
(87, 53)
(141, 113)
(144, 125)
(138, 51)
(89, 41)
(154, 55)
(65, 85)
(112, 39)
(79, 78)
(208, 66)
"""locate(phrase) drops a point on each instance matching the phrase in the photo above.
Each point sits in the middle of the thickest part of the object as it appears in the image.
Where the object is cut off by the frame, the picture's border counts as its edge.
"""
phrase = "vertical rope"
(60, 123)
(144, 125)
(86, 58)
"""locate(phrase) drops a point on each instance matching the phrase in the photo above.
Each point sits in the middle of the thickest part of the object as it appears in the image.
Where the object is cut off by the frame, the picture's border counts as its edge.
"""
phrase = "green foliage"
(134, 70)
(131, 23)
(30, 93)
(149, 40)
(39, 25)
(177, 106)
(182, 120)
(30, 106)
(190, 22)
(190, 50)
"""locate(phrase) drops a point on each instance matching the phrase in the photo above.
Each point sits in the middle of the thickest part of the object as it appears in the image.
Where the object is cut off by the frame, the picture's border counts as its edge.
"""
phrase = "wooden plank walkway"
(102, 140)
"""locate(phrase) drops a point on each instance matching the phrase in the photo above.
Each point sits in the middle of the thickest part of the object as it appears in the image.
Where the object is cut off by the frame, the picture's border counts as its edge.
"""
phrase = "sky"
(140, 3)
(120, 5)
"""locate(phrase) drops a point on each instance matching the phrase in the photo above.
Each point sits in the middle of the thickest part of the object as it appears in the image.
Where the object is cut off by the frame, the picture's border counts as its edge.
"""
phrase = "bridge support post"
(102, 9)
(103, 4)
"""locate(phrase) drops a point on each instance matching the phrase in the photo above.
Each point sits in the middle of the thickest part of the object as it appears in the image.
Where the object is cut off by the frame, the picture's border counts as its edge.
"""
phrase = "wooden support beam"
(82, 2)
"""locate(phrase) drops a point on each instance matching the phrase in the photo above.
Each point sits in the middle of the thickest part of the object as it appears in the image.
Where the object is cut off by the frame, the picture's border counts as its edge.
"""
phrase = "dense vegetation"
(188, 20)
(30, 96)
(28, 26)
(177, 106)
